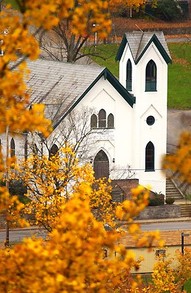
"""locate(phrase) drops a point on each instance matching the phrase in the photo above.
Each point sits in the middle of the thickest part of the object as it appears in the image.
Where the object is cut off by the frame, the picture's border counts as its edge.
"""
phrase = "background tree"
(63, 43)
(74, 130)
(125, 8)
(50, 181)
(168, 10)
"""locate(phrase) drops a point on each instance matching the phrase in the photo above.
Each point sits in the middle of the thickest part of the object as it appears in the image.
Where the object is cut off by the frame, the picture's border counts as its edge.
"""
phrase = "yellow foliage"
(180, 162)
(74, 208)
(170, 274)
(71, 259)
(66, 199)
(116, 4)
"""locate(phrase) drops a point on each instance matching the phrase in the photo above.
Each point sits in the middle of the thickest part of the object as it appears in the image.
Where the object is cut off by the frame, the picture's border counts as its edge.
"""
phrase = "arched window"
(151, 76)
(101, 165)
(129, 76)
(93, 121)
(35, 156)
(53, 150)
(102, 119)
(12, 145)
(35, 149)
(110, 121)
(150, 157)
(26, 149)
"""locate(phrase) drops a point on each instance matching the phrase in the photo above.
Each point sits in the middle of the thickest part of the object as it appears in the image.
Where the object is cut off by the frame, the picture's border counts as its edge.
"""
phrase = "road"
(167, 226)
(17, 235)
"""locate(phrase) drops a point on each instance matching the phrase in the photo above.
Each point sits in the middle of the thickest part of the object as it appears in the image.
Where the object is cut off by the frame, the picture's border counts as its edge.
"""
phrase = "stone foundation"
(160, 212)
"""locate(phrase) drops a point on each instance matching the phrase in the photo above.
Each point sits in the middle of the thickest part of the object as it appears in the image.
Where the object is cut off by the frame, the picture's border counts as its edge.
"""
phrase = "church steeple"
(132, 51)
(143, 70)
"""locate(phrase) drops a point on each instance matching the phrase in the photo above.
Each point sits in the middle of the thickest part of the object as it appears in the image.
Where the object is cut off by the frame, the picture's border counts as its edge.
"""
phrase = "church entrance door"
(101, 165)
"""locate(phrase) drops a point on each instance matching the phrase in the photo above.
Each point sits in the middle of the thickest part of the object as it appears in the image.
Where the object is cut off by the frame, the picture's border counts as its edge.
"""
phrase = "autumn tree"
(74, 130)
(72, 258)
(170, 274)
(50, 181)
(16, 31)
(177, 164)
(64, 42)
(124, 5)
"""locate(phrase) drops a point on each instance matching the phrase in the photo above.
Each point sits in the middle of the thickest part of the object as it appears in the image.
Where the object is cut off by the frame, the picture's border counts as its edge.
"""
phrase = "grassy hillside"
(12, 2)
(179, 95)
(179, 83)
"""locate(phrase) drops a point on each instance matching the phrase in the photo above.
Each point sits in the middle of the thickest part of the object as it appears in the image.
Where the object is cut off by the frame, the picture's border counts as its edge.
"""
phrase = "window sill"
(148, 91)
(102, 128)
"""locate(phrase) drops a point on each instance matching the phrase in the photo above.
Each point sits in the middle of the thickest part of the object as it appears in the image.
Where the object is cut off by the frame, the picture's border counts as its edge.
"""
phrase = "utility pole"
(7, 183)
(182, 241)
(1, 5)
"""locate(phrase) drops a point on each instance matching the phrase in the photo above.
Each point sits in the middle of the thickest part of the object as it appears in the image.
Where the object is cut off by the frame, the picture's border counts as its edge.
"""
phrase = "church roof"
(60, 86)
(139, 42)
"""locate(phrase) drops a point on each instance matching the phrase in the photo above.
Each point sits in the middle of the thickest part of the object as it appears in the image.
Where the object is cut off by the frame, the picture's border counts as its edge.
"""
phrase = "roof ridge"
(142, 34)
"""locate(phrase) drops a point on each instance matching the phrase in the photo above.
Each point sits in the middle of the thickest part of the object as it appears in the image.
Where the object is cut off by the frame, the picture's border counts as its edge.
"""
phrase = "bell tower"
(143, 70)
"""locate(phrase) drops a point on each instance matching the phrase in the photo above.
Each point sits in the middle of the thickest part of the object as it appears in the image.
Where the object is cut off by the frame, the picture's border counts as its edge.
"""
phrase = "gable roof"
(61, 86)
(140, 41)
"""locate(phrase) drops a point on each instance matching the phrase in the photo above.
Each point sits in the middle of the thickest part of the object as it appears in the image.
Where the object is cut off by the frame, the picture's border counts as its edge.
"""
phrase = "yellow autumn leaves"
(65, 198)
(180, 162)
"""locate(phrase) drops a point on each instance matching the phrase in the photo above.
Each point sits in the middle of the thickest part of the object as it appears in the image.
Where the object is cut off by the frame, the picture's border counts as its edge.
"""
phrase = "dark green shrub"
(168, 10)
(156, 199)
(170, 200)
(16, 187)
(156, 202)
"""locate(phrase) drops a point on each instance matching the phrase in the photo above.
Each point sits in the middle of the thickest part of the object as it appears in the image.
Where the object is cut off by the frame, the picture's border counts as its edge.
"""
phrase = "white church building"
(123, 122)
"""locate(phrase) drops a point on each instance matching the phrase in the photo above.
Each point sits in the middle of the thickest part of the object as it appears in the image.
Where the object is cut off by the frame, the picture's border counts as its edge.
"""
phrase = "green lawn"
(187, 286)
(179, 84)
(12, 2)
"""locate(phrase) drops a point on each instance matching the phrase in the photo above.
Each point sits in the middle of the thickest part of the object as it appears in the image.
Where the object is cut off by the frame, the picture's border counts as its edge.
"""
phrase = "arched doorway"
(101, 165)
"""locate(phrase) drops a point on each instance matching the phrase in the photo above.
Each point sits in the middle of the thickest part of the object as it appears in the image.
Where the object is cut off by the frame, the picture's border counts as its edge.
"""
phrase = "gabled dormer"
(138, 56)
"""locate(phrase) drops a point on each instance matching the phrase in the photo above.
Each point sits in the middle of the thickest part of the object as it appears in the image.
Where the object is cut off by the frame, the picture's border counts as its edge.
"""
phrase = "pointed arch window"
(93, 121)
(35, 156)
(35, 149)
(12, 145)
(150, 157)
(129, 75)
(110, 121)
(53, 150)
(151, 77)
(26, 149)
(102, 119)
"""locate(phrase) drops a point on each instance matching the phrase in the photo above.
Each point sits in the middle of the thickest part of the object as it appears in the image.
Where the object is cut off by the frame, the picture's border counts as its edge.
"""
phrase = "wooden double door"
(101, 165)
